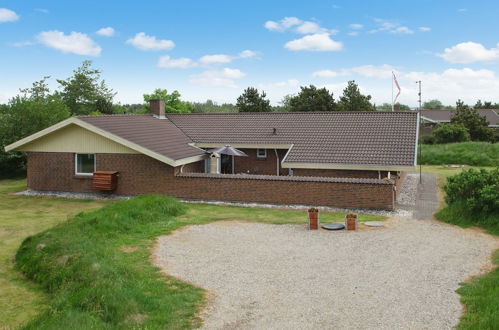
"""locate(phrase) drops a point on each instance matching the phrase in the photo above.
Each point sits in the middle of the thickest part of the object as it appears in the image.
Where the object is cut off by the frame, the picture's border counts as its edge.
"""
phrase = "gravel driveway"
(262, 276)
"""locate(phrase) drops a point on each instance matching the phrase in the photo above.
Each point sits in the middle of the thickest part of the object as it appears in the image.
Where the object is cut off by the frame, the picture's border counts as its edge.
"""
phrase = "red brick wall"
(139, 174)
(255, 165)
(285, 190)
(338, 173)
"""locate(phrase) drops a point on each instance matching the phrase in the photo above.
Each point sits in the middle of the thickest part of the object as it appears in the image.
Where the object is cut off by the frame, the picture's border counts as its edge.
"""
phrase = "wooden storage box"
(105, 180)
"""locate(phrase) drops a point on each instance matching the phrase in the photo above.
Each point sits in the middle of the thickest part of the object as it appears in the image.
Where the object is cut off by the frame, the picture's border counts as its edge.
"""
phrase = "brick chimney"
(157, 108)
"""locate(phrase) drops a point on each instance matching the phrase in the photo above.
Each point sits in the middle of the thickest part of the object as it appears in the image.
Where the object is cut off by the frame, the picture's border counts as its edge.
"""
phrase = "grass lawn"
(481, 294)
(20, 216)
(469, 153)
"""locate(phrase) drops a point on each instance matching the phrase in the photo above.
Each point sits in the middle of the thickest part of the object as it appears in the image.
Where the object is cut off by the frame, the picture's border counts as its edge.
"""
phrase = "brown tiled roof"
(348, 138)
(343, 138)
(158, 135)
(444, 116)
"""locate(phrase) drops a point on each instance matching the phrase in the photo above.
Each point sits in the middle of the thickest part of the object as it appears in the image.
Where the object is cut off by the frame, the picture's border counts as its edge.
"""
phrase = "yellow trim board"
(115, 138)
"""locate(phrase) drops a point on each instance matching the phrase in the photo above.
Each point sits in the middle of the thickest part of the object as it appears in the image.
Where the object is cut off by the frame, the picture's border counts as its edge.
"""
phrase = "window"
(84, 164)
(261, 153)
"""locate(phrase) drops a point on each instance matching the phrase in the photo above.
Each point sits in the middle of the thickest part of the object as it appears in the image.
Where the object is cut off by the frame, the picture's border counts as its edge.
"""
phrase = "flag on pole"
(398, 87)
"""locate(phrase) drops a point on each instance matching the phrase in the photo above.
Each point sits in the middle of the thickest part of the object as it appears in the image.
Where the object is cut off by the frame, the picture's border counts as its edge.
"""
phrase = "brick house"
(341, 159)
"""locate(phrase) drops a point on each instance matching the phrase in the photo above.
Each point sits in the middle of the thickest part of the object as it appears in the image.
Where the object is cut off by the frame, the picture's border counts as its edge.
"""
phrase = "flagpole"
(392, 92)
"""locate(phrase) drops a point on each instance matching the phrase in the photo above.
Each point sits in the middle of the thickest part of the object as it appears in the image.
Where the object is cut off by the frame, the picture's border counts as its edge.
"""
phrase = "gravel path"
(408, 190)
(262, 276)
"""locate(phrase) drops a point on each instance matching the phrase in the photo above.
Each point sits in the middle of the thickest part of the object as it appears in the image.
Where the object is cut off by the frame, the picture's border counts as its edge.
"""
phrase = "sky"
(215, 49)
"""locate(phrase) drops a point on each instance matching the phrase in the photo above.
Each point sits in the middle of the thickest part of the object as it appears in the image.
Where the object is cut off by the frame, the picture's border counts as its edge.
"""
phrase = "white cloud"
(176, 63)
(283, 24)
(451, 84)
(297, 25)
(310, 27)
(207, 60)
(353, 33)
(42, 10)
(75, 42)
(462, 10)
(356, 26)
(319, 42)
(247, 54)
(218, 78)
(390, 27)
(424, 29)
(401, 30)
(144, 42)
(106, 32)
(7, 15)
(23, 43)
(469, 52)
(371, 71)
(325, 74)
(281, 84)
(216, 59)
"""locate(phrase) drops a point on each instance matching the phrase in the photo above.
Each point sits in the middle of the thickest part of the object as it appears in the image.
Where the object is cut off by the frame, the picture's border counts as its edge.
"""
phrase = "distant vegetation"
(467, 153)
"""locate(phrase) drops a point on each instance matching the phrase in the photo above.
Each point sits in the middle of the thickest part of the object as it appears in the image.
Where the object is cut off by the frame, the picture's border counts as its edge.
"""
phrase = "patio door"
(226, 164)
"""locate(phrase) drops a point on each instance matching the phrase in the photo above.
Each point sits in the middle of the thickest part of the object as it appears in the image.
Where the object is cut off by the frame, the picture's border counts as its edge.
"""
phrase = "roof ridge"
(111, 115)
(290, 112)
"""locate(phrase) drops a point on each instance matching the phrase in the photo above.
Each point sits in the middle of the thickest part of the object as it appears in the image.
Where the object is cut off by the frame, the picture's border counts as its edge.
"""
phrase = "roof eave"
(330, 166)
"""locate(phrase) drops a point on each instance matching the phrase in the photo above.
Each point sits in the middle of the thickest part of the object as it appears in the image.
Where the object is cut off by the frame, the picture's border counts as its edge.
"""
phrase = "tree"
(84, 92)
(25, 114)
(312, 99)
(450, 133)
(436, 105)
(353, 100)
(388, 107)
(173, 103)
(486, 105)
(476, 125)
(433, 105)
(212, 107)
(252, 101)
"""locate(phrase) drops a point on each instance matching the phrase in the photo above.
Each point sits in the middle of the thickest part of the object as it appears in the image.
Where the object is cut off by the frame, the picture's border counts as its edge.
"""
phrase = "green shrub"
(428, 139)
(477, 191)
(94, 284)
(466, 153)
(449, 133)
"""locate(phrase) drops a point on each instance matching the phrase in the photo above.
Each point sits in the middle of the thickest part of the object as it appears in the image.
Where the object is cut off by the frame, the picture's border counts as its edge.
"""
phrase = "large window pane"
(85, 163)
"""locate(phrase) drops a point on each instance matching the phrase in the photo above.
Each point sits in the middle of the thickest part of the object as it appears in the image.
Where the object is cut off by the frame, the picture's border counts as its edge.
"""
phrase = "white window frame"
(76, 164)
(258, 153)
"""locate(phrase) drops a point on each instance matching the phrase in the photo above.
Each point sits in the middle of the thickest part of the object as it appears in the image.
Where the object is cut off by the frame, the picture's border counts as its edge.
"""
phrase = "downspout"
(277, 160)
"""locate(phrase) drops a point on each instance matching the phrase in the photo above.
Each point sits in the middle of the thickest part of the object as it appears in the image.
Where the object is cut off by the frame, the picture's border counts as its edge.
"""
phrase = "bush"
(428, 139)
(449, 133)
(477, 191)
